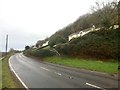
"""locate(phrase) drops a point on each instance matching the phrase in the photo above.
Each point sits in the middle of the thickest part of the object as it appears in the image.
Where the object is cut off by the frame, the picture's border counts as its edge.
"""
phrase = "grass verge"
(7, 78)
(0, 74)
(100, 66)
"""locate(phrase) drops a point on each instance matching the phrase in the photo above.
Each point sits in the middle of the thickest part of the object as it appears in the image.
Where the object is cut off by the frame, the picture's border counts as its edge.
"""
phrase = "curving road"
(37, 74)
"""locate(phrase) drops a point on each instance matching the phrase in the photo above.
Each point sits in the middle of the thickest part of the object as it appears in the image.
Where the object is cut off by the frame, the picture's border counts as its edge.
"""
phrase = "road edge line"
(94, 86)
(11, 68)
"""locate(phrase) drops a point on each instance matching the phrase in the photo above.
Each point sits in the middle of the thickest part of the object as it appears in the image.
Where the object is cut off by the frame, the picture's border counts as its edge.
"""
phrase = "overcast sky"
(27, 21)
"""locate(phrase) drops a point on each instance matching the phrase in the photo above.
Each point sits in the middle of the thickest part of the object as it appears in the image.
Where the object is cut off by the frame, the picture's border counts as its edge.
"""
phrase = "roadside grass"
(100, 66)
(0, 74)
(7, 78)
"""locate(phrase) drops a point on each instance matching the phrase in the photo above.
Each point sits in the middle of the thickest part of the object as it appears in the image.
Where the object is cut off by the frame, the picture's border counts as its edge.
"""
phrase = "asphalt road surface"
(37, 74)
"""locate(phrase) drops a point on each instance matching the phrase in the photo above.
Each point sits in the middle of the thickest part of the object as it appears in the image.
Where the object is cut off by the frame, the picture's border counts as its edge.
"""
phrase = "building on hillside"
(81, 33)
(115, 26)
(45, 44)
(75, 35)
(93, 27)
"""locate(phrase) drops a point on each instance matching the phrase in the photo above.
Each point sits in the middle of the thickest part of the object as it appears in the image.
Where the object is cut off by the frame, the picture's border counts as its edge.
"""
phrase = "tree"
(56, 39)
(11, 50)
(27, 47)
(106, 13)
(119, 13)
(39, 43)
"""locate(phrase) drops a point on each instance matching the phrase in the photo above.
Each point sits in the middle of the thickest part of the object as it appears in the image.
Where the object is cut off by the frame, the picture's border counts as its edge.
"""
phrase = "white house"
(78, 34)
(83, 32)
(45, 44)
(114, 27)
(74, 35)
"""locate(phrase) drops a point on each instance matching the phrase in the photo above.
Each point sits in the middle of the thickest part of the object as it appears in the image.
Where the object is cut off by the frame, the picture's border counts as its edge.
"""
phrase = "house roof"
(74, 33)
(85, 30)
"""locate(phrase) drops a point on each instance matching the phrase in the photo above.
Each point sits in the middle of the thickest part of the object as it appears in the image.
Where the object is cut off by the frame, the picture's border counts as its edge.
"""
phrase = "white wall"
(45, 44)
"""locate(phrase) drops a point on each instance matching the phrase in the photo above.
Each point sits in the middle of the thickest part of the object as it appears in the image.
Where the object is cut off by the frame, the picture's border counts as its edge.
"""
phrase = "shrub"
(39, 52)
(62, 49)
(43, 53)
(101, 44)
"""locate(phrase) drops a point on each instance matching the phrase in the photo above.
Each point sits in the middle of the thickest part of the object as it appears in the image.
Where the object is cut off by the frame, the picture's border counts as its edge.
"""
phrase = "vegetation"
(39, 43)
(40, 52)
(104, 15)
(27, 47)
(119, 13)
(99, 49)
(7, 78)
(101, 44)
(109, 67)
(0, 74)
(107, 14)
(56, 40)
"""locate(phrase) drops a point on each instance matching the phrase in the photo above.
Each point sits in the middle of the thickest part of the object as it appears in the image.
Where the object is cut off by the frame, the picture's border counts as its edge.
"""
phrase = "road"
(37, 74)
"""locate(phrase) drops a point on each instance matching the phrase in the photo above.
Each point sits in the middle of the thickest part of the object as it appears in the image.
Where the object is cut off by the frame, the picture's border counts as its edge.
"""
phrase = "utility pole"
(6, 44)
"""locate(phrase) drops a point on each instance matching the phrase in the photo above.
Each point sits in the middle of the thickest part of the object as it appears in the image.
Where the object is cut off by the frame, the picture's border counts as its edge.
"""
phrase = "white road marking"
(11, 68)
(94, 86)
(58, 73)
(45, 68)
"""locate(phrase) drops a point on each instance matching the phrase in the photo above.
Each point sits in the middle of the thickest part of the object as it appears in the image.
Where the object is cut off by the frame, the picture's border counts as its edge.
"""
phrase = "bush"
(64, 49)
(102, 44)
(44, 53)
(40, 52)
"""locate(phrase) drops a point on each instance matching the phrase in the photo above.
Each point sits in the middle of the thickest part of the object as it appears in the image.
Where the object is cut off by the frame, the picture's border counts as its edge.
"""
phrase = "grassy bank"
(7, 78)
(107, 67)
(0, 74)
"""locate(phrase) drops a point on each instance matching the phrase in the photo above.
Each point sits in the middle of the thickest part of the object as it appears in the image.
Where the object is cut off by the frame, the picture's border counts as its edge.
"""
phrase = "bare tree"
(119, 13)
(39, 43)
(107, 13)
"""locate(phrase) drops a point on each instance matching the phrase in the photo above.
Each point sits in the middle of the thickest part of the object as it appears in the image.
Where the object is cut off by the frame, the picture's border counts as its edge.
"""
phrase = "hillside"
(101, 44)
(105, 17)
